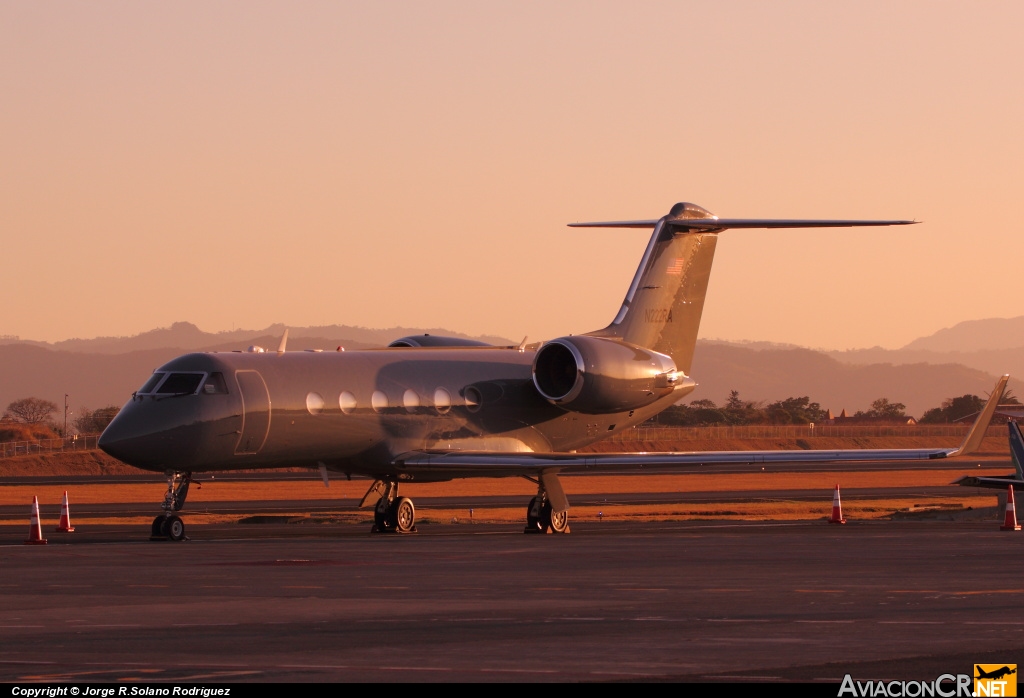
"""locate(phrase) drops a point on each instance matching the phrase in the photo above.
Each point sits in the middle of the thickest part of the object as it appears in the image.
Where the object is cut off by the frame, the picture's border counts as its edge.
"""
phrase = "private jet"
(429, 408)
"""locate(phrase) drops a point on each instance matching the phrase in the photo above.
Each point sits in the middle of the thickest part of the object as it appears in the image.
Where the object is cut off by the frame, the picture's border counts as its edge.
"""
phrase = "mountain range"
(962, 359)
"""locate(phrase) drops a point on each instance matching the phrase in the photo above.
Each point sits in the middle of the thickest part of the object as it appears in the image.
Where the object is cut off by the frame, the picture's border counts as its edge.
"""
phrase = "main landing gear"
(169, 526)
(541, 516)
(392, 514)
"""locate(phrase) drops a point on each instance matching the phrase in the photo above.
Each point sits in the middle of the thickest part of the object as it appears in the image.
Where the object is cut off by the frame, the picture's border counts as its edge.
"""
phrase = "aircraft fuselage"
(350, 411)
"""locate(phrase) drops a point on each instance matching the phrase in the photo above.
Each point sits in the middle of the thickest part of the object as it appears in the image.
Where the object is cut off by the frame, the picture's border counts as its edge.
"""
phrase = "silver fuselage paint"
(213, 432)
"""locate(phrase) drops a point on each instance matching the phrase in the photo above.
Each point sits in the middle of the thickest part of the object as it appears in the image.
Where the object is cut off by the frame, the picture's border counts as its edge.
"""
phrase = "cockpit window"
(150, 385)
(215, 385)
(181, 384)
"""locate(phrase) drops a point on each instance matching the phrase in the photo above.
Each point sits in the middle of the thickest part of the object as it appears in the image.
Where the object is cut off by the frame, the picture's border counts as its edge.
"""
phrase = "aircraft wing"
(441, 464)
(459, 464)
(1000, 483)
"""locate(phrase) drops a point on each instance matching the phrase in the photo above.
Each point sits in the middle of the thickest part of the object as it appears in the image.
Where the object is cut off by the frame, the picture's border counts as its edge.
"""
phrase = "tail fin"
(663, 306)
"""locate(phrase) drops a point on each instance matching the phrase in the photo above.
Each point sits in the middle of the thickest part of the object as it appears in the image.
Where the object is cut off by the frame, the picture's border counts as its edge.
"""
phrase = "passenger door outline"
(255, 412)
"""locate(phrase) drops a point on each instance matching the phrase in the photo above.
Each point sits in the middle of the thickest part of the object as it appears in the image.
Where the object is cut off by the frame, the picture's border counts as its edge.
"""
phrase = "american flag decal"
(676, 268)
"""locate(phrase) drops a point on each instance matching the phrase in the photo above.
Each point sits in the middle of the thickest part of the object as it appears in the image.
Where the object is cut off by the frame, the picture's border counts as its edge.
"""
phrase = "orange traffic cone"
(1010, 519)
(65, 517)
(35, 531)
(837, 509)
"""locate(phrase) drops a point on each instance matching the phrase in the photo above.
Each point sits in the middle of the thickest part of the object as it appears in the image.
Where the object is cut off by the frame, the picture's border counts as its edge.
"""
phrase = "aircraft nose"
(121, 439)
(152, 437)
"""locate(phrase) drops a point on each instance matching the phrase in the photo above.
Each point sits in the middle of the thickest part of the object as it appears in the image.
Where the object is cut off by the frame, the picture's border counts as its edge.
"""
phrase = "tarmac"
(687, 601)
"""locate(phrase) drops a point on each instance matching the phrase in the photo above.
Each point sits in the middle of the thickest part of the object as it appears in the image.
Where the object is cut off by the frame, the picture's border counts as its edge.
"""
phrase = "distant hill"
(993, 361)
(105, 371)
(775, 374)
(995, 345)
(187, 337)
(974, 336)
(769, 372)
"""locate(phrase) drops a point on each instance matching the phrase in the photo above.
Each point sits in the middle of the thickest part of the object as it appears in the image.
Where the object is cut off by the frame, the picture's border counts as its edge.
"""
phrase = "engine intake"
(598, 376)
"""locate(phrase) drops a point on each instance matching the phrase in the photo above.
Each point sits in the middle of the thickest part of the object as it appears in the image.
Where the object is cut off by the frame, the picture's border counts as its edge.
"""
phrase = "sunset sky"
(235, 164)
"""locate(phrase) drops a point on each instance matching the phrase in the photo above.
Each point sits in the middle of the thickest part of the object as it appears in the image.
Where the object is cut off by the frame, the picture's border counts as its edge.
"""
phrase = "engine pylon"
(35, 531)
(65, 516)
(1010, 517)
(837, 509)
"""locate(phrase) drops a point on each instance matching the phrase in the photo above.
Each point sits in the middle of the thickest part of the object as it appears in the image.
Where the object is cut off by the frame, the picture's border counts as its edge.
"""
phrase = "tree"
(885, 409)
(953, 408)
(30, 410)
(795, 410)
(734, 402)
(95, 421)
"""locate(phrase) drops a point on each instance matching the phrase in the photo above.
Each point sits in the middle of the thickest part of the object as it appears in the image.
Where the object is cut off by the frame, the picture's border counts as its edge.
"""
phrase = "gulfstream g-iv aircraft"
(429, 409)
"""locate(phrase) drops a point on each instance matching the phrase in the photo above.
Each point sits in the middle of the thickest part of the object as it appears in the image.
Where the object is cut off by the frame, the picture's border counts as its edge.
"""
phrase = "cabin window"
(379, 401)
(215, 385)
(151, 384)
(442, 401)
(314, 403)
(181, 384)
(347, 402)
(411, 401)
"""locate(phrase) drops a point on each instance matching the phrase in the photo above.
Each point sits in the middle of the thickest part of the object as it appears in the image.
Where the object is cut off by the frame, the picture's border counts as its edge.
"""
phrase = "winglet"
(284, 342)
(973, 439)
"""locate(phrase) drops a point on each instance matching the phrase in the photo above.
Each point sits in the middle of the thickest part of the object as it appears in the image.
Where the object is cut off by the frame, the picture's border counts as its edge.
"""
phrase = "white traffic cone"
(65, 516)
(837, 509)
(35, 531)
(1010, 518)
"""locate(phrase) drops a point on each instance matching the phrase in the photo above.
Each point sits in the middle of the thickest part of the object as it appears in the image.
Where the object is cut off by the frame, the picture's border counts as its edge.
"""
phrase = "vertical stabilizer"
(663, 306)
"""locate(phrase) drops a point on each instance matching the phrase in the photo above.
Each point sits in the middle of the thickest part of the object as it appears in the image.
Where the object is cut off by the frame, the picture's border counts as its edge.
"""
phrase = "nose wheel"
(169, 526)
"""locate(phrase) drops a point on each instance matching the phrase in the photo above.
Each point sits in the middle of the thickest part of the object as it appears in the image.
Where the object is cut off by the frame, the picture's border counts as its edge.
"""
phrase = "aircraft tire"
(156, 531)
(382, 516)
(559, 523)
(404, 515)
(535, 515)
(175, 528)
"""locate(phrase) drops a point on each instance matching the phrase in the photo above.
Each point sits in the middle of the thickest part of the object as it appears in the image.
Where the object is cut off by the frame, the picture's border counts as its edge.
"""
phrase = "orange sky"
(410, 163)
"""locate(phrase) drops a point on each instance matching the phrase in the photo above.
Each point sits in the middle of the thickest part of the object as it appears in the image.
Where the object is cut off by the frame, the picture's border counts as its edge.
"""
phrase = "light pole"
(65, 434)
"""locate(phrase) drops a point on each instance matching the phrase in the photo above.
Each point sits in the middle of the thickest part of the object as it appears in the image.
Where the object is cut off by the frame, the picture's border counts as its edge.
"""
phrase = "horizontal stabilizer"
(725, 223)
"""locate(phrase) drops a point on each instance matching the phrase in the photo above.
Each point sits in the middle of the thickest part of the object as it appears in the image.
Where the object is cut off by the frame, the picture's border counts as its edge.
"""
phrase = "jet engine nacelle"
(598, 376)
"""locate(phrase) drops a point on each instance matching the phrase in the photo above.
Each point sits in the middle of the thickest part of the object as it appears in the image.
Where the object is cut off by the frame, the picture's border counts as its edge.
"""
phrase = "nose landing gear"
(169, 526)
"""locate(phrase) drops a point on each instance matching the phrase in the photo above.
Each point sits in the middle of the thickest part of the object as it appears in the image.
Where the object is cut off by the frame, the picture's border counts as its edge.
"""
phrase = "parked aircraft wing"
(1000, 483)
(458, 464)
